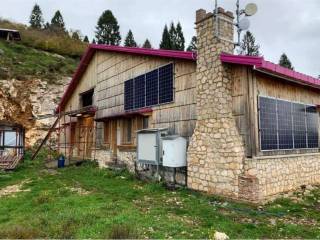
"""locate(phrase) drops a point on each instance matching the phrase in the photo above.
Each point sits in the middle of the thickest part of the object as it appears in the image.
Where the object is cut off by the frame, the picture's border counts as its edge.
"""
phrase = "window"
(285, 125)
(127, 131)
(152, 88)
(87, 98)
(145, 122)
(107, 132)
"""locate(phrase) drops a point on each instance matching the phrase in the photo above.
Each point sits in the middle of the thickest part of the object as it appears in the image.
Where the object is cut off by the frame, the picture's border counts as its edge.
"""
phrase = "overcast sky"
(290, 26)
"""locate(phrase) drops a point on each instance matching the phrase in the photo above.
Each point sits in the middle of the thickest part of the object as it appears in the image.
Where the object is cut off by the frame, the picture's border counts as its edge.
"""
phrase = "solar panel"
(166, 84)
(139, 92)
(152, 88)
(299, 125)
(285, 129)
(312, 127)
(128, 94)
(268, 123)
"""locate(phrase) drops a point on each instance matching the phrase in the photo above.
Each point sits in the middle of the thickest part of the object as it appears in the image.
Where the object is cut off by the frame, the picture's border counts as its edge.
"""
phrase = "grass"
(86, 202)
(22, 62)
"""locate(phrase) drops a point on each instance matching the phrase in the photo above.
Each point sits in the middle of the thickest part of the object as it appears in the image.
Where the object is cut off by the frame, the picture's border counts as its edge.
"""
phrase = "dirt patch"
(13, 189)
(78, 190)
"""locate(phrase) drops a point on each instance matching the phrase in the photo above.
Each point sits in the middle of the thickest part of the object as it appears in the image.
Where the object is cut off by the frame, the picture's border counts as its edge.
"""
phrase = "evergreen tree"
(36, 19)
(248, 45)
(173, 36)
(193, 44)
(147, 44)
(166, 41)
(107, 29)
(179, 38)
(57, 22)
(76, 35)
(285, 62)
(86, 39)
(93, 41)
(129, 41)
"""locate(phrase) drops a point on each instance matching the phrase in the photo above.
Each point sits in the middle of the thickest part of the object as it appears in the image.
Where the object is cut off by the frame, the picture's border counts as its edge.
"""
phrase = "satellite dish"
(251, 9)
(244, 24)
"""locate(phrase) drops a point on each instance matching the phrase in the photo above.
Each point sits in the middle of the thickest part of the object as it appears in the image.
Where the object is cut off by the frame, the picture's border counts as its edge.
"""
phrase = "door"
(86, 137)
(114, 138)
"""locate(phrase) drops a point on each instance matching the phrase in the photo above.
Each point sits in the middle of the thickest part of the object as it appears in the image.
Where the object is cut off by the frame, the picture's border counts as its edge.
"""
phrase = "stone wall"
(278, 174)
(216, 151)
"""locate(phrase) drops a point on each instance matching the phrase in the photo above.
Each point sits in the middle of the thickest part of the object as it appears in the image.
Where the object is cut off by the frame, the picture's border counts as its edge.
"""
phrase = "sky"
(280, 26)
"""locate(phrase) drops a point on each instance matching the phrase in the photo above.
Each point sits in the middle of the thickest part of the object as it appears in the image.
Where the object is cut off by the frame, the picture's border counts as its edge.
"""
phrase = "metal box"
(149, 146)
(174, 151)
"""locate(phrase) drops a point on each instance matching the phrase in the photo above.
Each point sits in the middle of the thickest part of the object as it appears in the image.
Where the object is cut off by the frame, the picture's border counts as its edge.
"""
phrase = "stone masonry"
(216, 153)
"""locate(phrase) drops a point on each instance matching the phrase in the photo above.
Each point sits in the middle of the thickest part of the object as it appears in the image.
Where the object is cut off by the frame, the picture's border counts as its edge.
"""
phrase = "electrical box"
(174, 151)
(149, 146)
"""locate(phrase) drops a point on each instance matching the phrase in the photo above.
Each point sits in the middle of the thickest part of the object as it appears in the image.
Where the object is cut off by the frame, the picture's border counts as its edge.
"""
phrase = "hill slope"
(21, 62)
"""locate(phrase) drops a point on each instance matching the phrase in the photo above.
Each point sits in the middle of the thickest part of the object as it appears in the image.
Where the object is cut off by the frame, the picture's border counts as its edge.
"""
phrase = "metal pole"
(238, 21)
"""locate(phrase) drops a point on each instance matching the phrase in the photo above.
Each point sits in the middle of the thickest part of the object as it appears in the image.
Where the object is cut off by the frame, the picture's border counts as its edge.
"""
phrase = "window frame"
(290, 149)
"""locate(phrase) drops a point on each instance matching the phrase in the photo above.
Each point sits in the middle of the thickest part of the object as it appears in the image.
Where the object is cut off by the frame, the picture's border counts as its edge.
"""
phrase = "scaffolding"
(72, 135)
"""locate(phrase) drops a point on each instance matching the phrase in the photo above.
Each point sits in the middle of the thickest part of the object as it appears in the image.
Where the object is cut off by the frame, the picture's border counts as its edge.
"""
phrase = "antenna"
(244, 24)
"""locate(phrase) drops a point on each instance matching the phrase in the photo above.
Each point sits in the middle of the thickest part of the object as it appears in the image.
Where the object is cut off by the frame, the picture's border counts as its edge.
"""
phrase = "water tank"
(174, 151)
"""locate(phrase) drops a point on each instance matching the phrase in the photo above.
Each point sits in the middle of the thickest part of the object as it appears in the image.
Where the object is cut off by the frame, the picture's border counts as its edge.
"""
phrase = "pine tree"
(166, 41)
(57, 23)
(76, 35)
(173, 36)
(147, 44)
(193, 44)
(86, 39)
(179, 38)
(248, 45)
(285, 62)
(107, 29)
(36, 19)
(94, 41)
(129, 41)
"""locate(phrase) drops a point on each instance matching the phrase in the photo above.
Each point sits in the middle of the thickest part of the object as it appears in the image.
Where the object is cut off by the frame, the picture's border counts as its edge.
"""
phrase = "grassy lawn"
(86, 202)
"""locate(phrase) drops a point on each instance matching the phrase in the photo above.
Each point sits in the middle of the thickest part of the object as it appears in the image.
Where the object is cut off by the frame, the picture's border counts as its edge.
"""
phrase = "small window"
(145, 122)
(87, 98)
(107, 132)
(127, 131)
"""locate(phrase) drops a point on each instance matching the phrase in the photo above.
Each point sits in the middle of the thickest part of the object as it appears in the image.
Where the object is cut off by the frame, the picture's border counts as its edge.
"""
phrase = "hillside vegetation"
(21, 62)
(47, 40)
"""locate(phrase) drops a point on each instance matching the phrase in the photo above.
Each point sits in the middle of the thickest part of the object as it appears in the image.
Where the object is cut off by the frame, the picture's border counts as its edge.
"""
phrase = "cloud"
(288, 26)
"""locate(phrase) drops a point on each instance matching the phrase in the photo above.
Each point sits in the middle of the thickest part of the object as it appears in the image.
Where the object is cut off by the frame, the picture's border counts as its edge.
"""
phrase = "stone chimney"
(216, 152)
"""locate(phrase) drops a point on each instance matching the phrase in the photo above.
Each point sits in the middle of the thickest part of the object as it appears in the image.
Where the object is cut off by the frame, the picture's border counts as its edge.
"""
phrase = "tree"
(107, 29)
(57, 22)
(285, 62)
(147, 44)
(166, 41)
(94, 41)
(129, 41)
(248, 45)
(76, 35)
(193, 44)
(86, 39)
(179, 40)
(173, 36)
(36, 19)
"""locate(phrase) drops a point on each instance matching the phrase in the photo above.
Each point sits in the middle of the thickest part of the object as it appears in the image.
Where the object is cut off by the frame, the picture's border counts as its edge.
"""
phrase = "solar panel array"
(152, 88)
(286, 125)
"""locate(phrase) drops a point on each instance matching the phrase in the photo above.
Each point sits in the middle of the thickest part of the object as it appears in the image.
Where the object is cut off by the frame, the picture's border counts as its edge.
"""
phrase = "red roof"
(190, 56)
(260, 64)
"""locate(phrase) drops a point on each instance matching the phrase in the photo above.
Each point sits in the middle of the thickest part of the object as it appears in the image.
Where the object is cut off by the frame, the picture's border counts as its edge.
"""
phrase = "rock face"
(22, 101)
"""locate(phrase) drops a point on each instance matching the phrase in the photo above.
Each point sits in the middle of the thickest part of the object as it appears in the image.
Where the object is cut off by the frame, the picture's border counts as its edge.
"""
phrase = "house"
(10, 34)
(251, 125)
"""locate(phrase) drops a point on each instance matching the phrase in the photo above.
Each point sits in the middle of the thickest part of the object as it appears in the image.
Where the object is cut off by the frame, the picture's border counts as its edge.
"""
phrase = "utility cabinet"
(174, 151)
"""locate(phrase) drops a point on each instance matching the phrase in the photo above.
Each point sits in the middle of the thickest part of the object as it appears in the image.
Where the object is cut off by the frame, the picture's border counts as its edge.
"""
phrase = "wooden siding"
(113, 69)
(88, 81)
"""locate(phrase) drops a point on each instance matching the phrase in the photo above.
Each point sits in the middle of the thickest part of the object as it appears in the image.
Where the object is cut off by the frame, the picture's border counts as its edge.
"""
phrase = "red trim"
(126, 114)
(260, 64)
(190, 56)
